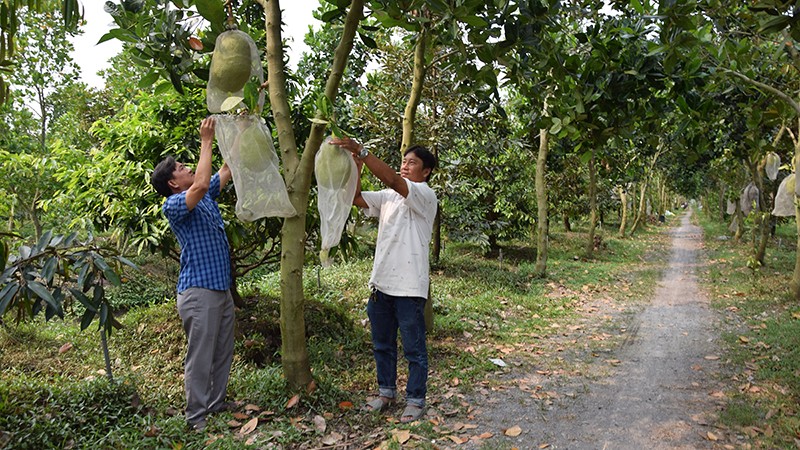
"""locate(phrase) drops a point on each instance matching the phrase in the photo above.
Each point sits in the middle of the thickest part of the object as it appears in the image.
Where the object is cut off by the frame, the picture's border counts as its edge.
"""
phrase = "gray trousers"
(208, 320)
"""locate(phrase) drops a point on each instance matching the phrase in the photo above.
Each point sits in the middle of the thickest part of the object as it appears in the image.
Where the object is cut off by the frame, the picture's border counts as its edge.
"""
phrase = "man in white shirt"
(401, 272)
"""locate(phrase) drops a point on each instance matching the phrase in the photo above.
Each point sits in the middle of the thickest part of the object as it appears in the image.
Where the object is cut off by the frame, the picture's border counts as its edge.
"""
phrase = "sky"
(92, 57)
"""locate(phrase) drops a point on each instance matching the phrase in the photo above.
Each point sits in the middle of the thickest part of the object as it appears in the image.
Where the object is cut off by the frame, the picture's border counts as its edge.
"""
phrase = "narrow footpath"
(661, 393)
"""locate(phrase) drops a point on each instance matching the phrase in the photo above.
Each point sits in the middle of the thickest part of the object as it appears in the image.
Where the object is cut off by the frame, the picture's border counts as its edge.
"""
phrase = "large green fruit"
(231, 62)
(254, 149)
(333, 166)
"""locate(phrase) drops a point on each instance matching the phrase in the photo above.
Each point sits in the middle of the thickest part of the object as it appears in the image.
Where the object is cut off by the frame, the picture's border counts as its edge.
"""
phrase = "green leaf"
(82, 276)
(86, 320)
(230, 103)
(112, 276)
(213, 11)
(474, 21)
(148, 80)
(7, 294)
(332, 15)
(119, 34)
(43, 241)
(775, 24)
(103, 314)
(43, 293)
(127, 262)
(49, 269)
(368, 41)
(3, 256)
(83, 299)
(162, 88)
(556, 126)
(318, 121)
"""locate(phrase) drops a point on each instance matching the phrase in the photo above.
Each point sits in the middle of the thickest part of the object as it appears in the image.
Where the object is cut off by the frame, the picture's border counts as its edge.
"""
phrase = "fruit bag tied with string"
(337, 178)
(246, 145)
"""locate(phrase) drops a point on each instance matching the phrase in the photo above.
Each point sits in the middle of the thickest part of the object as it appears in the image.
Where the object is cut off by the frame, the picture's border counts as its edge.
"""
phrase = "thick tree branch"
(780, 94)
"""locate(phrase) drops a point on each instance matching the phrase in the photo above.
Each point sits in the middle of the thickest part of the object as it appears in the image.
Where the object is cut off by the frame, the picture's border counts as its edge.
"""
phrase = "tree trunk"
(641, 214)
(542, 227)
(722, 206)
(592, 205)
(298, 174)
(414, 97)
(623, 197)
(436, 247)
(409, 120)
(565, 221)
(762, 216)
(738, 217)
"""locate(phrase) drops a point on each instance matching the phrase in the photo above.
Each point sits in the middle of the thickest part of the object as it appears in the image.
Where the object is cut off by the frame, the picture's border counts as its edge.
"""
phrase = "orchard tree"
(12, 20)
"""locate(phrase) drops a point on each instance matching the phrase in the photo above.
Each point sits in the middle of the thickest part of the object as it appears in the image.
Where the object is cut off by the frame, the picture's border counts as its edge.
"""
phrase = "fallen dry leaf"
(711, 436)
(312, 386)
(319, 423)
(240, 416)
(711, 357)
(252, 407)
(402, 436)
(249, 426)
(744, 339)
(513, 431)
(65, 348)
(458, 439)
(345, 405)
(293, 401)
(332, 438)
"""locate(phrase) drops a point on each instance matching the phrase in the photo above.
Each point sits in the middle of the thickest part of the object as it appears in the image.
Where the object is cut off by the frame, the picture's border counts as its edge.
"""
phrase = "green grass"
(763, 346)
(483, 307)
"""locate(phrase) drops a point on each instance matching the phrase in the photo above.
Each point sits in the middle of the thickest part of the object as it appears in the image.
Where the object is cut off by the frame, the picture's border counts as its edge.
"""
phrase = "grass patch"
(484, 308)
(763, 344)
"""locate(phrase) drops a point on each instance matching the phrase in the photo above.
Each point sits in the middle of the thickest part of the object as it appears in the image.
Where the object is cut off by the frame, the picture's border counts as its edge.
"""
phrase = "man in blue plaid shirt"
(205, 304)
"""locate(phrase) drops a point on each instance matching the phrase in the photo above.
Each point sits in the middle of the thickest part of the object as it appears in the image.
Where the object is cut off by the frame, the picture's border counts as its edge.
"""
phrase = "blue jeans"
(386, 314)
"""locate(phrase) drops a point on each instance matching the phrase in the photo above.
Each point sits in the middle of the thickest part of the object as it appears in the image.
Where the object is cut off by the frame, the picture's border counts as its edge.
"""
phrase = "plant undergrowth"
(763, 341)
(54, 393)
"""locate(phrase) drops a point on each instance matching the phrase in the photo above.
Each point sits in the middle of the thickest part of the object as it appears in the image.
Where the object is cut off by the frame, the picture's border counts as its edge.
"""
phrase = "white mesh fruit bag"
(785, 198)
(337, 179)
(246, 145)
(234, 61)
(772, 163)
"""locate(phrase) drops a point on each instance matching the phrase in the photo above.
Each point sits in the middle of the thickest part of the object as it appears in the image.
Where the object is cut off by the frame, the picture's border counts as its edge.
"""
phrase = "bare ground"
(657, 386)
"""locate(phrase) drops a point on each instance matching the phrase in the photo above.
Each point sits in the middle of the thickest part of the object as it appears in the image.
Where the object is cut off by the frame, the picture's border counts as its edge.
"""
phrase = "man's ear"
(172, 184)
(426, 172)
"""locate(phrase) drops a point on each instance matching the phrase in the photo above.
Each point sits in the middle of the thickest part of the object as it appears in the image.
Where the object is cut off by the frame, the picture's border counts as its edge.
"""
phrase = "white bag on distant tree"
(246, 145)
(337, 179)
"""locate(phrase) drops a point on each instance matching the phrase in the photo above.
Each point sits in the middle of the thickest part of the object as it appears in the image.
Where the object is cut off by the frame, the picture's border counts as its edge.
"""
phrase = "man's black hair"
(428, 159)
(162, 174)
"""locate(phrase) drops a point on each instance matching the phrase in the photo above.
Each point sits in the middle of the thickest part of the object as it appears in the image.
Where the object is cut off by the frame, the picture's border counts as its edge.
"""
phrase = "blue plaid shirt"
(205, 258)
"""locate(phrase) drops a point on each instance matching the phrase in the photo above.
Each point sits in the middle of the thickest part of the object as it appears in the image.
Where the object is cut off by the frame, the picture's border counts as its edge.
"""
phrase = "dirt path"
(657, 390)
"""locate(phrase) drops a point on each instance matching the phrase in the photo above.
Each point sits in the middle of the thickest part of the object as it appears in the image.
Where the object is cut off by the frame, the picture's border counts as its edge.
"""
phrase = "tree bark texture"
(592, 205)
(298, 174)
(542, 227)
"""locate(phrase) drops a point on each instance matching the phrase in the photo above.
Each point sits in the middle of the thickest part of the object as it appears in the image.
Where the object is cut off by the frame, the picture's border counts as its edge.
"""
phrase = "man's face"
(182, 177)
(413, 169)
